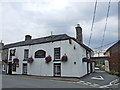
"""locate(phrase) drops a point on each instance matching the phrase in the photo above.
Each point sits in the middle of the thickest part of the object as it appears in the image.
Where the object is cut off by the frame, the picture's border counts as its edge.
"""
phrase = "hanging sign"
(12, 52)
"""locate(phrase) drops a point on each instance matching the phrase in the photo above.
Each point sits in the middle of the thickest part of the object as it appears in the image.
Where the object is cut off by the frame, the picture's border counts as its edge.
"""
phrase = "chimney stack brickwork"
(79, 33)
(1, 45)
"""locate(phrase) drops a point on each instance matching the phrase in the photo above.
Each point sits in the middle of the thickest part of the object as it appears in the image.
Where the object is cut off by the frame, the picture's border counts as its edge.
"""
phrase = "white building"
(56, 46)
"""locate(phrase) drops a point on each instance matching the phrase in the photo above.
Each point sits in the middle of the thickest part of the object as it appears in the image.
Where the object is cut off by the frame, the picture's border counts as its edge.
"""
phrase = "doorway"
(57, 69)
(10, 68)
(25, 68)
(91, 68)
(88, 68)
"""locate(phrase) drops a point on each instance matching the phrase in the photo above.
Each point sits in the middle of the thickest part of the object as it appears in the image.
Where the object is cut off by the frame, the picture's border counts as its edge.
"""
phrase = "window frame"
(58, 54)
(26, 56)
(14, 67)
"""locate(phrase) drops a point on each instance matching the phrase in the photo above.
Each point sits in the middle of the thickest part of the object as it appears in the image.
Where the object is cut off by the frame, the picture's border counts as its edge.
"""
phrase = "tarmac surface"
(101, 79)
(12, 81)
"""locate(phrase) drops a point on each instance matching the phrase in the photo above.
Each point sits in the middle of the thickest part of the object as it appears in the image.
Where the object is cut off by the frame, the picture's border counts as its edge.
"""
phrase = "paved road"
(107, 78)
(24, 82)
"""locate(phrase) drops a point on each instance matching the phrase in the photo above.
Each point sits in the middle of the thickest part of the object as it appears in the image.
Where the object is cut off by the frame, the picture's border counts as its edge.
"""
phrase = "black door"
(24, 68)
(57, 69)
(10, 68)
(88, 70)
(91, 69)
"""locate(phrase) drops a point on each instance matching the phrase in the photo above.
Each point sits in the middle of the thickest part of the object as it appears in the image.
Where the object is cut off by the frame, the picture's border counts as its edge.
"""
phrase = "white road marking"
(98, 78)
(88, 82)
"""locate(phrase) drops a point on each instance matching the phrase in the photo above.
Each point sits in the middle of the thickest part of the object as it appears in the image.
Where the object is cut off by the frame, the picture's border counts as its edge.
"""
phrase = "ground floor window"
(14, 67)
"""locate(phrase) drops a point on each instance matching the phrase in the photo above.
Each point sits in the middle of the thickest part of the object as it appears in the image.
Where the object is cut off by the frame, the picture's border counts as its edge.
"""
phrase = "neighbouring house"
(1, 46)
(113, 63)
(99, 61)
(4, 60)
(55, 55)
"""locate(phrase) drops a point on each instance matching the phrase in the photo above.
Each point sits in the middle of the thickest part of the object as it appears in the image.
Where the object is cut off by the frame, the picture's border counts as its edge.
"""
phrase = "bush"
(100, 67)
(113, 72)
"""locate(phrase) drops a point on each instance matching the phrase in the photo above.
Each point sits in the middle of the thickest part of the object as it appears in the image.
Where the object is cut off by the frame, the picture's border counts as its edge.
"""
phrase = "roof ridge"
(39, 38)
(46, 39)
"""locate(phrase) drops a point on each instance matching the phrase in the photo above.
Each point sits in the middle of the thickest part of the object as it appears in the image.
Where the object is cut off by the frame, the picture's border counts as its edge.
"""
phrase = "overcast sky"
(40, 18)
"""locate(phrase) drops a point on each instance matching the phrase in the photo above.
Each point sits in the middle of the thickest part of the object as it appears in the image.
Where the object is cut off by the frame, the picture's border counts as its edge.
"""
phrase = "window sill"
(56, 60)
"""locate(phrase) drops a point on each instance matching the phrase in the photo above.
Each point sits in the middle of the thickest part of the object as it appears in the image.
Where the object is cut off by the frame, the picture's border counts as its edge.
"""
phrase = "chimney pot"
(28, 37)
(78, 25)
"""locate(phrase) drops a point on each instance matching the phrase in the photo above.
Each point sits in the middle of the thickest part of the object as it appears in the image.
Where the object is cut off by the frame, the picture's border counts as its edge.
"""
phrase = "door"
(91, 68)
(10, 68)
(24, 68)
(88, 67)
(57, 69)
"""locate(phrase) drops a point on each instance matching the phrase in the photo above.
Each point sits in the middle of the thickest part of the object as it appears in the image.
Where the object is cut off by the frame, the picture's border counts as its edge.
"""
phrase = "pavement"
(50, 78)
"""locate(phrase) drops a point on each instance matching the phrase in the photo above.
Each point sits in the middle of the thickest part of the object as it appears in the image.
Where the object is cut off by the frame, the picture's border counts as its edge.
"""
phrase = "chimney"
(28, 37)
(1, 45)
(79, 33)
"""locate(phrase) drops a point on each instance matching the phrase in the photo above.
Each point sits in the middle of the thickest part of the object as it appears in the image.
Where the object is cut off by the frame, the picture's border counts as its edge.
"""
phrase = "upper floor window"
(26, 53)
(87, 54)
(57, 53)
(40, 54)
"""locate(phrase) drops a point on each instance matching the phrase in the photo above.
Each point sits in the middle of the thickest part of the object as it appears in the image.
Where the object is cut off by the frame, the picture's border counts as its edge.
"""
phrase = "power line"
(105, 24)
(92, 23)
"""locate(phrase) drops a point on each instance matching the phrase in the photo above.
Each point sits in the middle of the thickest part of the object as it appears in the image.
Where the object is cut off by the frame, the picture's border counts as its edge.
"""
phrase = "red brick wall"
(114, 58)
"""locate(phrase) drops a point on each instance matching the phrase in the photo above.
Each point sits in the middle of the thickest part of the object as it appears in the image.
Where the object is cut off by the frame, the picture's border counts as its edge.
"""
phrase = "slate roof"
(47, 39)
(116, 44)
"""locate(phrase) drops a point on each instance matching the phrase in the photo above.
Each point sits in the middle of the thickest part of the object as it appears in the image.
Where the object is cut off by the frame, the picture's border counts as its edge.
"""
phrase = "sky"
(39, 19)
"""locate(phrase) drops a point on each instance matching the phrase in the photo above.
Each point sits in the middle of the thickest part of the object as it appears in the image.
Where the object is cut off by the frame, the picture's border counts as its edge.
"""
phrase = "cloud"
(39, 19)
(0, 22)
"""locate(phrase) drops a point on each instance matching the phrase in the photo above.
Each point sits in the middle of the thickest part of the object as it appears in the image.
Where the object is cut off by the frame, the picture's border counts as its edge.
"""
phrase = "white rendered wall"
(40, 68)
(0, 56)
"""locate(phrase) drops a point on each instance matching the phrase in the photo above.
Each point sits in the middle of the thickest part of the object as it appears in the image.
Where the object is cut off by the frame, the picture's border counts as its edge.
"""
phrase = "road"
(107, 78)
(10, 81)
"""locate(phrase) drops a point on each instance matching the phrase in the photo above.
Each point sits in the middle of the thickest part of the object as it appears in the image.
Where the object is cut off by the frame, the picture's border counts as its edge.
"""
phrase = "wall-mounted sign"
(12, 52)
(40, 54)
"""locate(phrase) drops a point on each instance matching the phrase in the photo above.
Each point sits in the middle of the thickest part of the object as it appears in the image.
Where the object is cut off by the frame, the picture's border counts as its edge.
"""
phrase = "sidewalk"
(50, 78)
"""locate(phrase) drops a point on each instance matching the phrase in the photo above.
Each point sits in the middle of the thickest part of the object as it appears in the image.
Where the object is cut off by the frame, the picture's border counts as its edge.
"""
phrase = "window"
(26, 53)
(87, 54)
(14, 67)
(40, 54)
(57, 53)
